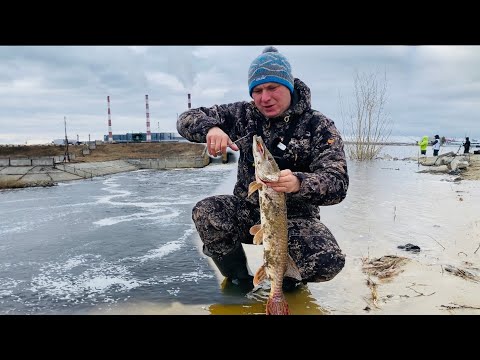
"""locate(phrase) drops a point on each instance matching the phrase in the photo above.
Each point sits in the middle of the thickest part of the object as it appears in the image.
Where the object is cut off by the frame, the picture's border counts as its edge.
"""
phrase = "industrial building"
(142, 137)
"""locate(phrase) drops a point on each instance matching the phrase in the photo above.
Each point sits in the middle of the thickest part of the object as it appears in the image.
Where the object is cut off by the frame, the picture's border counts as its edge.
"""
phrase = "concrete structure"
(34, 161)
(44, 175)
(173, 162)
(47, 171)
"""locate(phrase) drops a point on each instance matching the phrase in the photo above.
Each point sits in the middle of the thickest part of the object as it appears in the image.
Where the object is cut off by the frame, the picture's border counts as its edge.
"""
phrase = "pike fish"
(272, 230)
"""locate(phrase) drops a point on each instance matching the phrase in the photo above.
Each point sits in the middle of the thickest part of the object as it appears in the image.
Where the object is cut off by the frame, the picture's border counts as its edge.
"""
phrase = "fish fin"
(253, 186)
(292, 269)
(277, 306)
(258, 238)
(260, 275)
(255, 228)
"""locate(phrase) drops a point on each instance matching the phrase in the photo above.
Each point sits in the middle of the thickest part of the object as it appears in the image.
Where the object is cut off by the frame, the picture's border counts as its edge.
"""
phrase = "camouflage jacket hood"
(314, 148)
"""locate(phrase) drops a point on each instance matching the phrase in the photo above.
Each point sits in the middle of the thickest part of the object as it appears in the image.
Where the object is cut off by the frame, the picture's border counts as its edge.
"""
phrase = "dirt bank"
(107, 152)
(473, 170)
(17, 177)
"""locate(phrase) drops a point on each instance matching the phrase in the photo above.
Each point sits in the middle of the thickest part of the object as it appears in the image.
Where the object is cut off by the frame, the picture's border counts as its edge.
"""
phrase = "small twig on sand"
(461, 252)
(418, 292)
(436, 241)
(456, 306)
(477, 248)
(462, 273)
(367, 308)
(373, 289)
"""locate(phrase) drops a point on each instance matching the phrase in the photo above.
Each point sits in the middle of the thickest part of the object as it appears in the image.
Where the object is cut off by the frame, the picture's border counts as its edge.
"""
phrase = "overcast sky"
(431, 89)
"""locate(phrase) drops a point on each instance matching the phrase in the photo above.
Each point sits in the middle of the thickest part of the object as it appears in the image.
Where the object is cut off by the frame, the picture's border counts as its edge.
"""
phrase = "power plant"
(148, 136)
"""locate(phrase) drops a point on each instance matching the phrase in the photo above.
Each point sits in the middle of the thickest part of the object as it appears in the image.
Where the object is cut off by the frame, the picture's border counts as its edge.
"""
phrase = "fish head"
(266, 168)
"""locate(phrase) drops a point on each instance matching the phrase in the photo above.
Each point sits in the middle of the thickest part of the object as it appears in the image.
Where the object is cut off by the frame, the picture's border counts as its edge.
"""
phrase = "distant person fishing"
(423, 145)
(466, 145)
(436, 145)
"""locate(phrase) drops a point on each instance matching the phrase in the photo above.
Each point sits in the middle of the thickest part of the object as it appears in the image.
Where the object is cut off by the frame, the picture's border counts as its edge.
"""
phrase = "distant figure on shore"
(436, 145)
(466, 145)
(423, 145)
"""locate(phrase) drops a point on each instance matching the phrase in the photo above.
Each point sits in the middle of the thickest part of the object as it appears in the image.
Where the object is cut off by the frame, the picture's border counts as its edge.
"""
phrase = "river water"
(126, 243)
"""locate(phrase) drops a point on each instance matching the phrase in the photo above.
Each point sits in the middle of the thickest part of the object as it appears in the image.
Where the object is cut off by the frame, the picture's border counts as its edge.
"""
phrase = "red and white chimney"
(110, 136)
(149, 135)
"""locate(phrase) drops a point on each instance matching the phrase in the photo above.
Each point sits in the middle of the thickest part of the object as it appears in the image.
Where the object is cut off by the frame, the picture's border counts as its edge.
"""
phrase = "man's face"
(271, 99)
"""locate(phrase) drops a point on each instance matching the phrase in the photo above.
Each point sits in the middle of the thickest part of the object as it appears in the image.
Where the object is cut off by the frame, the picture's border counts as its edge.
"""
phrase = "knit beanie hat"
(270, 66)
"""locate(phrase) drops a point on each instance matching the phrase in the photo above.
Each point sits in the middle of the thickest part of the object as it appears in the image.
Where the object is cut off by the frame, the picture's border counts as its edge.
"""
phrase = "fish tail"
(277, 306)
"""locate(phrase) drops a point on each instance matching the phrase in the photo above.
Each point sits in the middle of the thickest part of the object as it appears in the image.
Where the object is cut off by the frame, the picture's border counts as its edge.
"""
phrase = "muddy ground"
(107, 152)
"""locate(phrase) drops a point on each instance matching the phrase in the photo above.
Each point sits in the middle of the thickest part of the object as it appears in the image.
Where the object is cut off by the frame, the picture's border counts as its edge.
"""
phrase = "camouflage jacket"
(314, 152)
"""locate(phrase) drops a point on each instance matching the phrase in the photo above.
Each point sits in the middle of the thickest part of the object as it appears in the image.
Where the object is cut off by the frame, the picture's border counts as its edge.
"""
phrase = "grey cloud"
(430, 89)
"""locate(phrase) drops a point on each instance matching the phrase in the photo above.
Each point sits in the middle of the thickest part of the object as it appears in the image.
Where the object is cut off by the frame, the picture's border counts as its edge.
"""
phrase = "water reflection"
(300, 302)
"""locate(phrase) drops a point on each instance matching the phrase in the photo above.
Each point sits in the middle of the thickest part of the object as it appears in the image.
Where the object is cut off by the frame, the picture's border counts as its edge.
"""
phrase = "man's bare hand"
(218, 141)
(287, 182)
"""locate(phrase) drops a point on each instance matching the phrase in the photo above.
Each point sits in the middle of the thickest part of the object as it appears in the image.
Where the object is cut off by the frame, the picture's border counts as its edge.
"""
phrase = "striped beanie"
(270, 66)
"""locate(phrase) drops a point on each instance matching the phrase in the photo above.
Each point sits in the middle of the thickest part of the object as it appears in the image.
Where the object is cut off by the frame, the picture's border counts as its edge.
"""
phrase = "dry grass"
(15, 184)
(384, 267)
(461, 273)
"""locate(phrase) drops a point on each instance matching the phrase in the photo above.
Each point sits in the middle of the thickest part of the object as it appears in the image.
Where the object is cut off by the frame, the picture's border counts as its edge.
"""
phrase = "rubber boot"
(290, 284)
(234, 267)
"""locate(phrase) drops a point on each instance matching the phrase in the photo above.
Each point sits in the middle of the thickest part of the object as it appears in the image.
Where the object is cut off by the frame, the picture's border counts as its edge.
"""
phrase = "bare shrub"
(367, 125)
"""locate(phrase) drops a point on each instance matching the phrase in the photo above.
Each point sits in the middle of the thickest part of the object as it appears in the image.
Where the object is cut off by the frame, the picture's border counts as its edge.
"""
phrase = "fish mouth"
(259, 147)
(267, 169)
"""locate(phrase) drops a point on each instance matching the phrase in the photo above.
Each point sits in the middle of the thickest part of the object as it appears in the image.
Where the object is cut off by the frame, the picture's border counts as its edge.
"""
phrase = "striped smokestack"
(110, 136)
(149, 135)
(189, 102)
